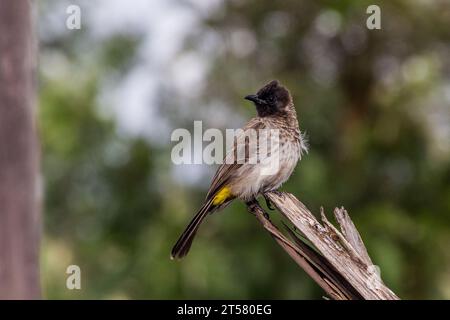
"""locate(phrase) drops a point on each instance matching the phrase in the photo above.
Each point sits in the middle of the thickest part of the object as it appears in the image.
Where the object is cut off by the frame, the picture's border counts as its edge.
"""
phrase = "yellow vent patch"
(222, 196)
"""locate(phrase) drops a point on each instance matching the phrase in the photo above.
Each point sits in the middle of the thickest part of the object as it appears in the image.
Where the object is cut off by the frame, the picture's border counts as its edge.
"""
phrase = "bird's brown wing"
(222, 177)
(230, 164)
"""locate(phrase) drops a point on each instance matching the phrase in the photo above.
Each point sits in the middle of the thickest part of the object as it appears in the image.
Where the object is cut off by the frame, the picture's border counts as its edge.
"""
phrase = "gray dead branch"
(336, 260)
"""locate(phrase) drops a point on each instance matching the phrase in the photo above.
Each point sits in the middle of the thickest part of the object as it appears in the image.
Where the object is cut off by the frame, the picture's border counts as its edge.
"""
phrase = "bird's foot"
(268, 203)
(253, 204)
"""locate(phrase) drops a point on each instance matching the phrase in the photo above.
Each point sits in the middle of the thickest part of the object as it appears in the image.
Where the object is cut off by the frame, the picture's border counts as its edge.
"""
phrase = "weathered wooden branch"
(337, 260)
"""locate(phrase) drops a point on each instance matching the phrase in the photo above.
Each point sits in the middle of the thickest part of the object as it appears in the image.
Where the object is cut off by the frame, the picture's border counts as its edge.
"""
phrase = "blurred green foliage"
(114, 207)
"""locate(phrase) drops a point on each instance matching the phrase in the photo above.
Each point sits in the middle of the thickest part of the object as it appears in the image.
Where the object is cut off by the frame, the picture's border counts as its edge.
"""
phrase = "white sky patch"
(189, 68)
(192, 174)
(206, 7)
(222, 115)
(133, 102)
(108, 17)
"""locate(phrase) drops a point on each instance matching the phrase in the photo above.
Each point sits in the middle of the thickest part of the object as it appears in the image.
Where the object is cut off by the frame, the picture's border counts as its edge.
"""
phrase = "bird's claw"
(269, 203)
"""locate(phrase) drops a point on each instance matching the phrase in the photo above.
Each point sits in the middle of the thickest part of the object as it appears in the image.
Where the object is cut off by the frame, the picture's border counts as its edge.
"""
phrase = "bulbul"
(255, 174)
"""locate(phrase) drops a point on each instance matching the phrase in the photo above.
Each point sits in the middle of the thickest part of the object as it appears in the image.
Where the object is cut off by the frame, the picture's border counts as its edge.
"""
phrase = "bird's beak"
(254, 98)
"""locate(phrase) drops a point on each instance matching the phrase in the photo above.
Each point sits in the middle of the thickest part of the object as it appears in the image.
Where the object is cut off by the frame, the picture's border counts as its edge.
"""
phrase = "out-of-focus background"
(374, 103)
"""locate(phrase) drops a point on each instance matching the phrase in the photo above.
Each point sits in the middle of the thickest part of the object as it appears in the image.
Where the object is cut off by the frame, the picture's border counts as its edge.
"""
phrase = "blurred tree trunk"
(19, 201)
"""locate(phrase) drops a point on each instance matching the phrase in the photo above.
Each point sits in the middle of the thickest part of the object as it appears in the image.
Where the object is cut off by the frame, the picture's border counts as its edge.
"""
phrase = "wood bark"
(336, 260)
(19, 203)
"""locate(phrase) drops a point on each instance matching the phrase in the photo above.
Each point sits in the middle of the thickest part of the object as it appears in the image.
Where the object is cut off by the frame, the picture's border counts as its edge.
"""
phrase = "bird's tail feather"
(181, 248)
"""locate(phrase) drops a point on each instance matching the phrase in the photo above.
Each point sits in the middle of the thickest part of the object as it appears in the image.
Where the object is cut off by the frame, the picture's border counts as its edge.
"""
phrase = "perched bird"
(245, 180)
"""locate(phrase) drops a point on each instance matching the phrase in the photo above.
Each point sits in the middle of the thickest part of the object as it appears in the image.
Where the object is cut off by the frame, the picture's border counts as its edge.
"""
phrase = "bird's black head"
(271, 99)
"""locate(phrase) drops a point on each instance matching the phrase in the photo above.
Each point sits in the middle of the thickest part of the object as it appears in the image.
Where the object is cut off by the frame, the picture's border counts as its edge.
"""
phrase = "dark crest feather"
(273, 98)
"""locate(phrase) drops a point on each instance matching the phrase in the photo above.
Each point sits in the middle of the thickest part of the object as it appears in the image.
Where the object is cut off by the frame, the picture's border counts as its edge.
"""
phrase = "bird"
(249, 174)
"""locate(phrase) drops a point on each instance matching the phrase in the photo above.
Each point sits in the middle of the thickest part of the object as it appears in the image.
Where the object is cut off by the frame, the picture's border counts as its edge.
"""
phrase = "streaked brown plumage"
(248, 179)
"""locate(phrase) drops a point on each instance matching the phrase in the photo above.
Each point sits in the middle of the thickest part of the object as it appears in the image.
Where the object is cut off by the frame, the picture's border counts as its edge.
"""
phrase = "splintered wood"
(336, 260)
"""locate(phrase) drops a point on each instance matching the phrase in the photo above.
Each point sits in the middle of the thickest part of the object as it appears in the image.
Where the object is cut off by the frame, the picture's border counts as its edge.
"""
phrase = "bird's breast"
(273, 166)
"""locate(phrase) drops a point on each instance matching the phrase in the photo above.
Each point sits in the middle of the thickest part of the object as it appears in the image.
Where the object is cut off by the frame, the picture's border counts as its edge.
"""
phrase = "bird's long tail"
(181, 248)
